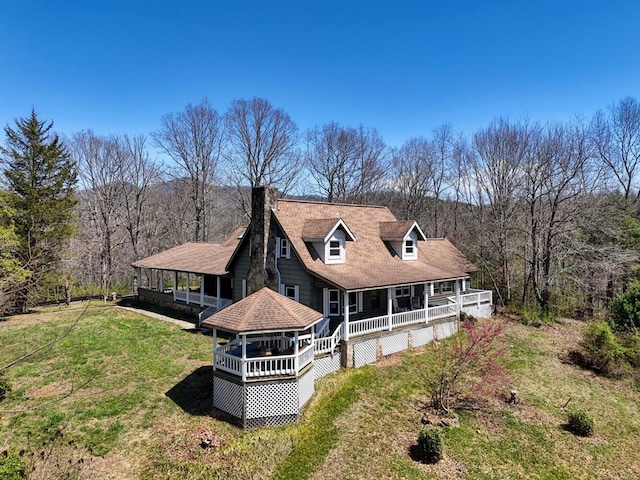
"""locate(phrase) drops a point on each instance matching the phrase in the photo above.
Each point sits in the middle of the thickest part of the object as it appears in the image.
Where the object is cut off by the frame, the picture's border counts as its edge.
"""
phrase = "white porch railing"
(386, 323)
(322, 329)
(325, 345)
(257, 367)
(197, 299)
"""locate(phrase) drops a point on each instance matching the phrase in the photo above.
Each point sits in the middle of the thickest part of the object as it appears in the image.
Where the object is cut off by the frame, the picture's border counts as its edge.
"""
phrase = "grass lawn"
(131, 396)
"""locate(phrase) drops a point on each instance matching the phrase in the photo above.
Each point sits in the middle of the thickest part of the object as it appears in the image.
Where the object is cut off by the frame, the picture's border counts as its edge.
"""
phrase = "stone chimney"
(262, 271)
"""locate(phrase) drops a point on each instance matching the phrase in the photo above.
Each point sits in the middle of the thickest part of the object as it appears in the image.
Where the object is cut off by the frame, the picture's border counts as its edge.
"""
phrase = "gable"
(369, 262)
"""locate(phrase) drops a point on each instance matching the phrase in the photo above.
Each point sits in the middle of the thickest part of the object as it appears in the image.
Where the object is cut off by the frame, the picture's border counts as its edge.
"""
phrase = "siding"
(240, 269)
(292, 273)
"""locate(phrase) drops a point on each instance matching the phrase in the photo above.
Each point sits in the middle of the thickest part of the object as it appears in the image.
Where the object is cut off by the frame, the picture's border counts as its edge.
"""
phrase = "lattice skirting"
(305, 388)
(445, 330)
(324, 365)
(270, 421)
(228, 396)
(422, 336)
(394, 343)
(365, 352)
(271, 400)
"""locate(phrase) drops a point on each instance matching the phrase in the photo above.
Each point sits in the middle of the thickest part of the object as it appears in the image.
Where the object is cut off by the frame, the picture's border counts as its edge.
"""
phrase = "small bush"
(12, 467)
(603, 350)
(581, 423)
(430, 445)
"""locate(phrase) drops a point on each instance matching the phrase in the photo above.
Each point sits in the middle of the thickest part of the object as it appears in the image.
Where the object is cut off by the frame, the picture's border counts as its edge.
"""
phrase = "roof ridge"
(319, 202)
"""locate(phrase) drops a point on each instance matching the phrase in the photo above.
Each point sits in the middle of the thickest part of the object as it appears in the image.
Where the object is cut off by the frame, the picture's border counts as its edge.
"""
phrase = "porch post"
(345, 309)
(188, 287)
(215, 344)
(161, 281)
(458, 300)
(217, 293)
(296, 349)
(390, 308)
(426, 302)
(244, 357)
(175, 284)
(202, 290)
(139, 279)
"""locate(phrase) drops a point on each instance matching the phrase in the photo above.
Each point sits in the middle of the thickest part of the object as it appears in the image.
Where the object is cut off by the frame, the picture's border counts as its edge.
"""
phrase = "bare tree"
(495, 178)
(347, 163)
(616, 134)
(411, 182)
(193, 140)
(138, 176)
(555, 167)
(100, 163)
(262, 145)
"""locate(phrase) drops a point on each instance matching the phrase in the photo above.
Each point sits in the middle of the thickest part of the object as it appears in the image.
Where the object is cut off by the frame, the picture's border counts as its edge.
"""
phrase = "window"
(408, 248)
(293, 292)
(334, 248)
(403, 291)
(375, 300)
(334, 302)
(285, 248)
(355, 302)
(446, 287)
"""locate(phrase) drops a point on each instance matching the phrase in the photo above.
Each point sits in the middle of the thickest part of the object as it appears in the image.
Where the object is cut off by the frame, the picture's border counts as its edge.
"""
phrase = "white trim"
(334, 259)
(348, 232)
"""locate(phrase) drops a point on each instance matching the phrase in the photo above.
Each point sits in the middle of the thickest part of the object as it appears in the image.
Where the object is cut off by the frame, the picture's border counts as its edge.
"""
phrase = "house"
(372, 285)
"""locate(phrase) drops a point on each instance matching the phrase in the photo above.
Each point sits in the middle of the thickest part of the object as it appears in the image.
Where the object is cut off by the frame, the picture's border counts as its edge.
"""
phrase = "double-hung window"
(334, 302)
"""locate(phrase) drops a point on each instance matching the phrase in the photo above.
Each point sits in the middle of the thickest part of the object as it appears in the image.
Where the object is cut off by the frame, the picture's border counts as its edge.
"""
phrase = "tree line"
(547, 211)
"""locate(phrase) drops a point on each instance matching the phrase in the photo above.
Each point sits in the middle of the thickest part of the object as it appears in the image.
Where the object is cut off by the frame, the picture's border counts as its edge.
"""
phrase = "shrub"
(603, 350)
(12, 467)
(469, 368)
(625, 309)
(581, 423)
(430, 445)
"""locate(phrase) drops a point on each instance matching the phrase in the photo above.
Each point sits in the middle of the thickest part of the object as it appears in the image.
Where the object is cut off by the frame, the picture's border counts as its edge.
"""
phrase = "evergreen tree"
(40, 179)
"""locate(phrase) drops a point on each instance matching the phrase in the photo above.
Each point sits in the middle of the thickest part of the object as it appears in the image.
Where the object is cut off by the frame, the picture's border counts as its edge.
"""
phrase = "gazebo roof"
(264, 311)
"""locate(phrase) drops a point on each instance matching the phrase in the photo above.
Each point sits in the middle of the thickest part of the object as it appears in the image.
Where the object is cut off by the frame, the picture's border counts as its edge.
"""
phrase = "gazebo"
(263, 361)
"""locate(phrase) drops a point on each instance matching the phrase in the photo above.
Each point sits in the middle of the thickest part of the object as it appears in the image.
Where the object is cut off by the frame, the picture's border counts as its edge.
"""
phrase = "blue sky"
(403, 67)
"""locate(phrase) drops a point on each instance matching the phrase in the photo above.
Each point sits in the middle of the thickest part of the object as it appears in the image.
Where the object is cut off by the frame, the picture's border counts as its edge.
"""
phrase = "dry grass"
(147, 414)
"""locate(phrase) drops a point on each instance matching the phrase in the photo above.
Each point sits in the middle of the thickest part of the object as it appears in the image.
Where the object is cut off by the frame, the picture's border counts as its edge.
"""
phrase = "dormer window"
(403, 236)
(409, 247)
(328, 237)
(334, 248)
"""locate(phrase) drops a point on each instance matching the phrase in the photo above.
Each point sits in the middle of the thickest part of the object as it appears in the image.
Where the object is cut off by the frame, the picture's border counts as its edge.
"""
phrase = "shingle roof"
(195, 257)
(264, 311)
(317, 230)
(396, 231)
(370, 262)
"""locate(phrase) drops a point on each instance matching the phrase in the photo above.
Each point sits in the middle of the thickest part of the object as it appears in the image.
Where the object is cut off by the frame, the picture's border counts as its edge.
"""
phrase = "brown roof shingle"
(195, 257)
(264, 311)
(396, 231)
(370, 262)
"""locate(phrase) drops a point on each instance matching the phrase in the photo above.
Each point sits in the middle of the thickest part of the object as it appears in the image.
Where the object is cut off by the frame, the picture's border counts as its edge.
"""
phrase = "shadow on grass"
(194, 392)
(417, 455)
